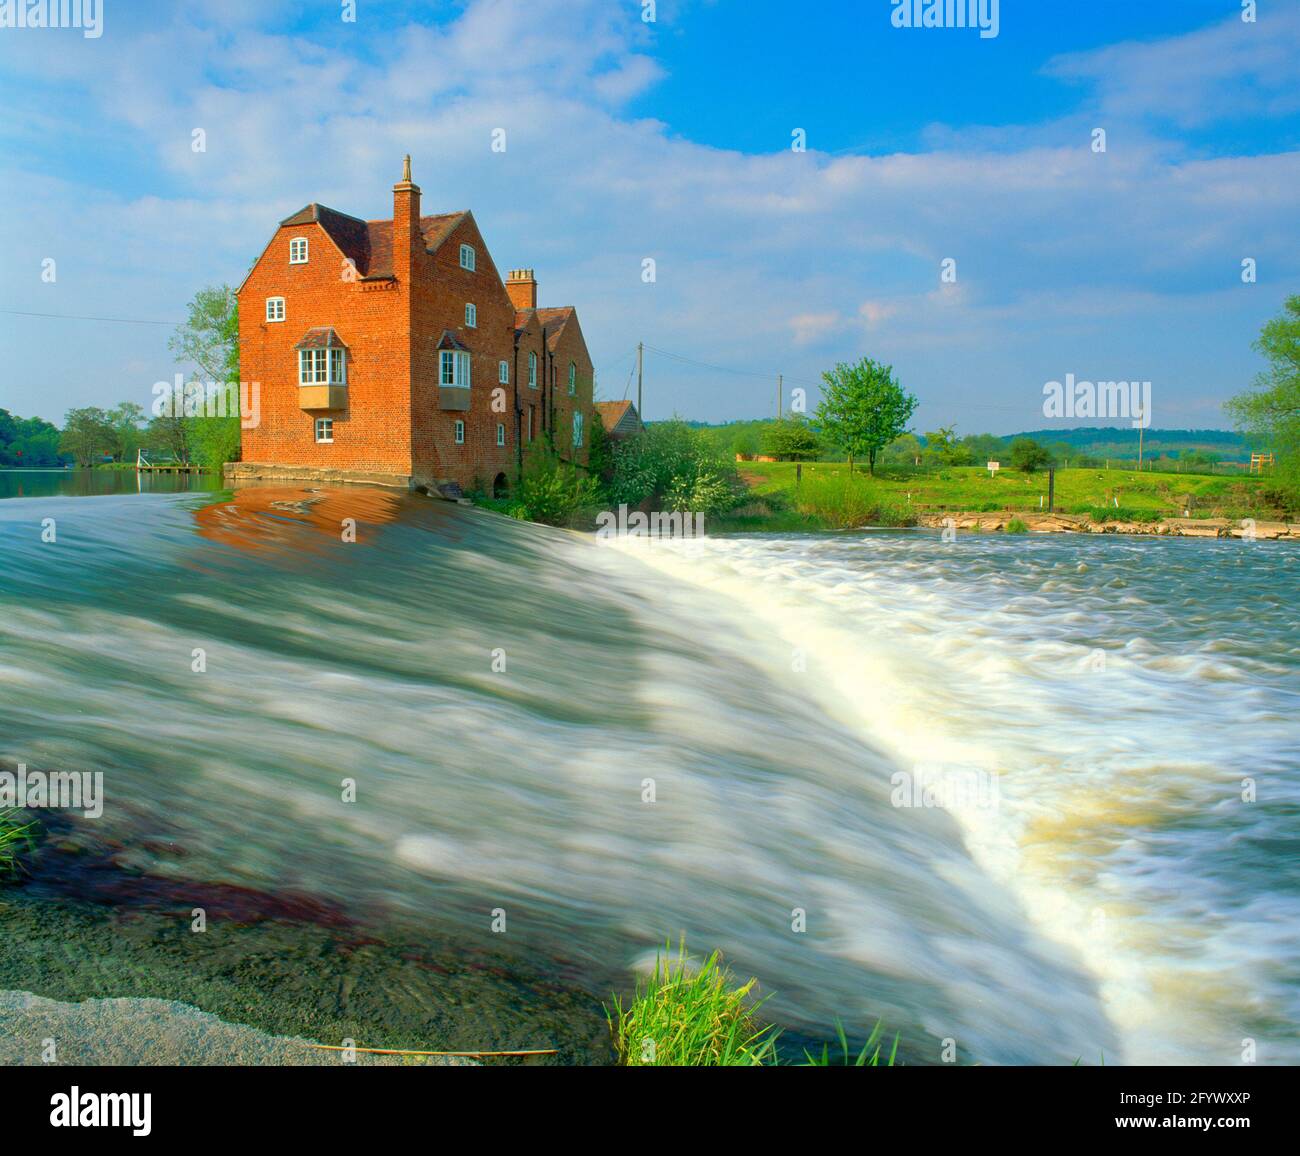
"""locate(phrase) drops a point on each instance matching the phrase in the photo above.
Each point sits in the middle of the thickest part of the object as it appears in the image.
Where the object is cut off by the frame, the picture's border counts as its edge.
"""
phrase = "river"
(564, 752)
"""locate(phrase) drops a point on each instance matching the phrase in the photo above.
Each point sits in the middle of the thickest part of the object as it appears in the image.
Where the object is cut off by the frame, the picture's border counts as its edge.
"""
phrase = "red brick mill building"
(391, 352)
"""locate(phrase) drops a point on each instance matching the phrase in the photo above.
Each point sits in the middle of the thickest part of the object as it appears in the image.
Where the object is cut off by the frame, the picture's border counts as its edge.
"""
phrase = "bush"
(1027, 455)
(553, 492)
(1016, 526)
(671, 463)
(791, 439)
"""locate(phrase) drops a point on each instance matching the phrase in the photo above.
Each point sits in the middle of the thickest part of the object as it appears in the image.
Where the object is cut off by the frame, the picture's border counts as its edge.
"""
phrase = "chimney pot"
(521, 286)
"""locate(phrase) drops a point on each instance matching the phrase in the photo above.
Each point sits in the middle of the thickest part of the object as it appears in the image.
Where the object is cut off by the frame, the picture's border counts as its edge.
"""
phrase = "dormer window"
(467, 257)
(532, 371)
(275, 308)
(573, 379)
(471, 316)
(298, 251)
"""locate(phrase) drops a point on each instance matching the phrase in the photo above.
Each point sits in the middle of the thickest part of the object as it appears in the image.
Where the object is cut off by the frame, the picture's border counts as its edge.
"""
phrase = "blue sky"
(671, 140)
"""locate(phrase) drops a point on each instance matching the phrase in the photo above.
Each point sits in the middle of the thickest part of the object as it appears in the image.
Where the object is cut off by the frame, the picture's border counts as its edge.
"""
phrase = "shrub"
(553, 492)
(672, 463)
(1027, 455)
(791, 439)
(1016, 526)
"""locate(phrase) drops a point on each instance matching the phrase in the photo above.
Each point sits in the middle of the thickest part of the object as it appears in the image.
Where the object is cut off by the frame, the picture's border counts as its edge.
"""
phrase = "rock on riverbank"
(1082, 524)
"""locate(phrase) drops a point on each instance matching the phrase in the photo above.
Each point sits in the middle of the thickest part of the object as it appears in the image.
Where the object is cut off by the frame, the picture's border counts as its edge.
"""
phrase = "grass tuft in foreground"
(684, 1015)
(16, 835)
(868, 1057)
(695, 1016)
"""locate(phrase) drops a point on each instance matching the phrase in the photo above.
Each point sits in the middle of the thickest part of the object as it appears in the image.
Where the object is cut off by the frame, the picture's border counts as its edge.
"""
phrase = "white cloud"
(779, 263)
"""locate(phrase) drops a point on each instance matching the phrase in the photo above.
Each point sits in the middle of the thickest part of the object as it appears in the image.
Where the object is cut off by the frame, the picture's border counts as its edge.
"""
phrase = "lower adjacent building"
(393, 352)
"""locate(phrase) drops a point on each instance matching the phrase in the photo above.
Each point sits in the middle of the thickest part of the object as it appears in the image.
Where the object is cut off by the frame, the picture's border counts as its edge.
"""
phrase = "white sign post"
(994, 467)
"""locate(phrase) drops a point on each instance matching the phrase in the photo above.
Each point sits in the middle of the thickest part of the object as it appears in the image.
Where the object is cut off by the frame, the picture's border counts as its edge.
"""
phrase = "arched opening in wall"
(500, 486)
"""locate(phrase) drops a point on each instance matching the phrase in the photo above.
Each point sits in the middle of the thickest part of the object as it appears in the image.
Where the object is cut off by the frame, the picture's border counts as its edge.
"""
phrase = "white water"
(1119, 901)
(950, 663)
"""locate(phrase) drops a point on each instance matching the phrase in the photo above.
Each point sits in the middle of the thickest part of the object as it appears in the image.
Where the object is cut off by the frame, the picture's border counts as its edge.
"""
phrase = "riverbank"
(781, 497)
(1079, 524)
(111, 963)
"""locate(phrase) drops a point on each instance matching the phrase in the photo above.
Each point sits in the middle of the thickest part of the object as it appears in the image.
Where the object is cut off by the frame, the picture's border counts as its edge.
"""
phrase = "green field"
(829, 496)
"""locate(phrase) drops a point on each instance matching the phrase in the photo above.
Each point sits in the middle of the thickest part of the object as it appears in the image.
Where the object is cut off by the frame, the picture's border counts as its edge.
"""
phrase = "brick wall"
(370, 435)
(393, 423)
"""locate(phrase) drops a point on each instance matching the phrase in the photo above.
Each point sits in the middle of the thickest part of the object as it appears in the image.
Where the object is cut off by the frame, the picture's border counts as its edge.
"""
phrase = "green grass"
(868, 1057)
(690, 1016)
(1016, 526)
(684, 1015)
(828, 492)
(16, 835)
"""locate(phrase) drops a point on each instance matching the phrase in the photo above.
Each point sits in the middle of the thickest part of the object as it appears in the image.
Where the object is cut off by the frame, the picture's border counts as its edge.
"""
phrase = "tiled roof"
(369, 244)
(615, 414)
(350, 234)
(451, 341)
(323, 338)
(554, 319)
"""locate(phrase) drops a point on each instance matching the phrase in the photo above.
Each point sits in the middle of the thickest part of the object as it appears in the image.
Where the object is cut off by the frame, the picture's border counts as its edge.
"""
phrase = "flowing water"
(566, 751)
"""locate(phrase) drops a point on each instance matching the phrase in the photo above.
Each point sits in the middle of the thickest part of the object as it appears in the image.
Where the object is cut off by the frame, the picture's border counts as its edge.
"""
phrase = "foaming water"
(1129, 697)
(1118, 900)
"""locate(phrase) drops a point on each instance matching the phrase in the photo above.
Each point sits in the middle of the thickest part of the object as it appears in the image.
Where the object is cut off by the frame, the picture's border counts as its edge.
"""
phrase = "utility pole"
(640, 354)
(1141, 430)
(780, 386)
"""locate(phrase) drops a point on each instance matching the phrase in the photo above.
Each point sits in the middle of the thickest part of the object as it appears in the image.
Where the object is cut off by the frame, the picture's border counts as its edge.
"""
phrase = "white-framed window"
(501, 434)
(573, 379)
(454, 368)
(325, 430)
(322, 367)
(503, 372)
(298, 251)
(467, 257)
(275, 308)
(471, 316)
(532, 371)
(577, 429)
(460, 433)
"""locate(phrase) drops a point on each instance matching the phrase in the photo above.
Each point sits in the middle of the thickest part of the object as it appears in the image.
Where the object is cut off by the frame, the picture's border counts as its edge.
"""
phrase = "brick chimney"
(407, 239)
(522, 287)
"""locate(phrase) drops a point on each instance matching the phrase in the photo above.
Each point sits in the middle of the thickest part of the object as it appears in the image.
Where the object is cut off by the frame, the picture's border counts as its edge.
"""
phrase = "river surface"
(565, 752)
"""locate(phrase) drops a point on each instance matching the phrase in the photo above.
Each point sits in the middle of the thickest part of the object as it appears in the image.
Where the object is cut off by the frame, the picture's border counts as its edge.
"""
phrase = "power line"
(82, 317)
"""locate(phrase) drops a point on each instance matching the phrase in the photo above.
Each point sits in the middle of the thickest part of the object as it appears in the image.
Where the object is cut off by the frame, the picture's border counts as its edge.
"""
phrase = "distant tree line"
(28, 441)
(91, 435)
